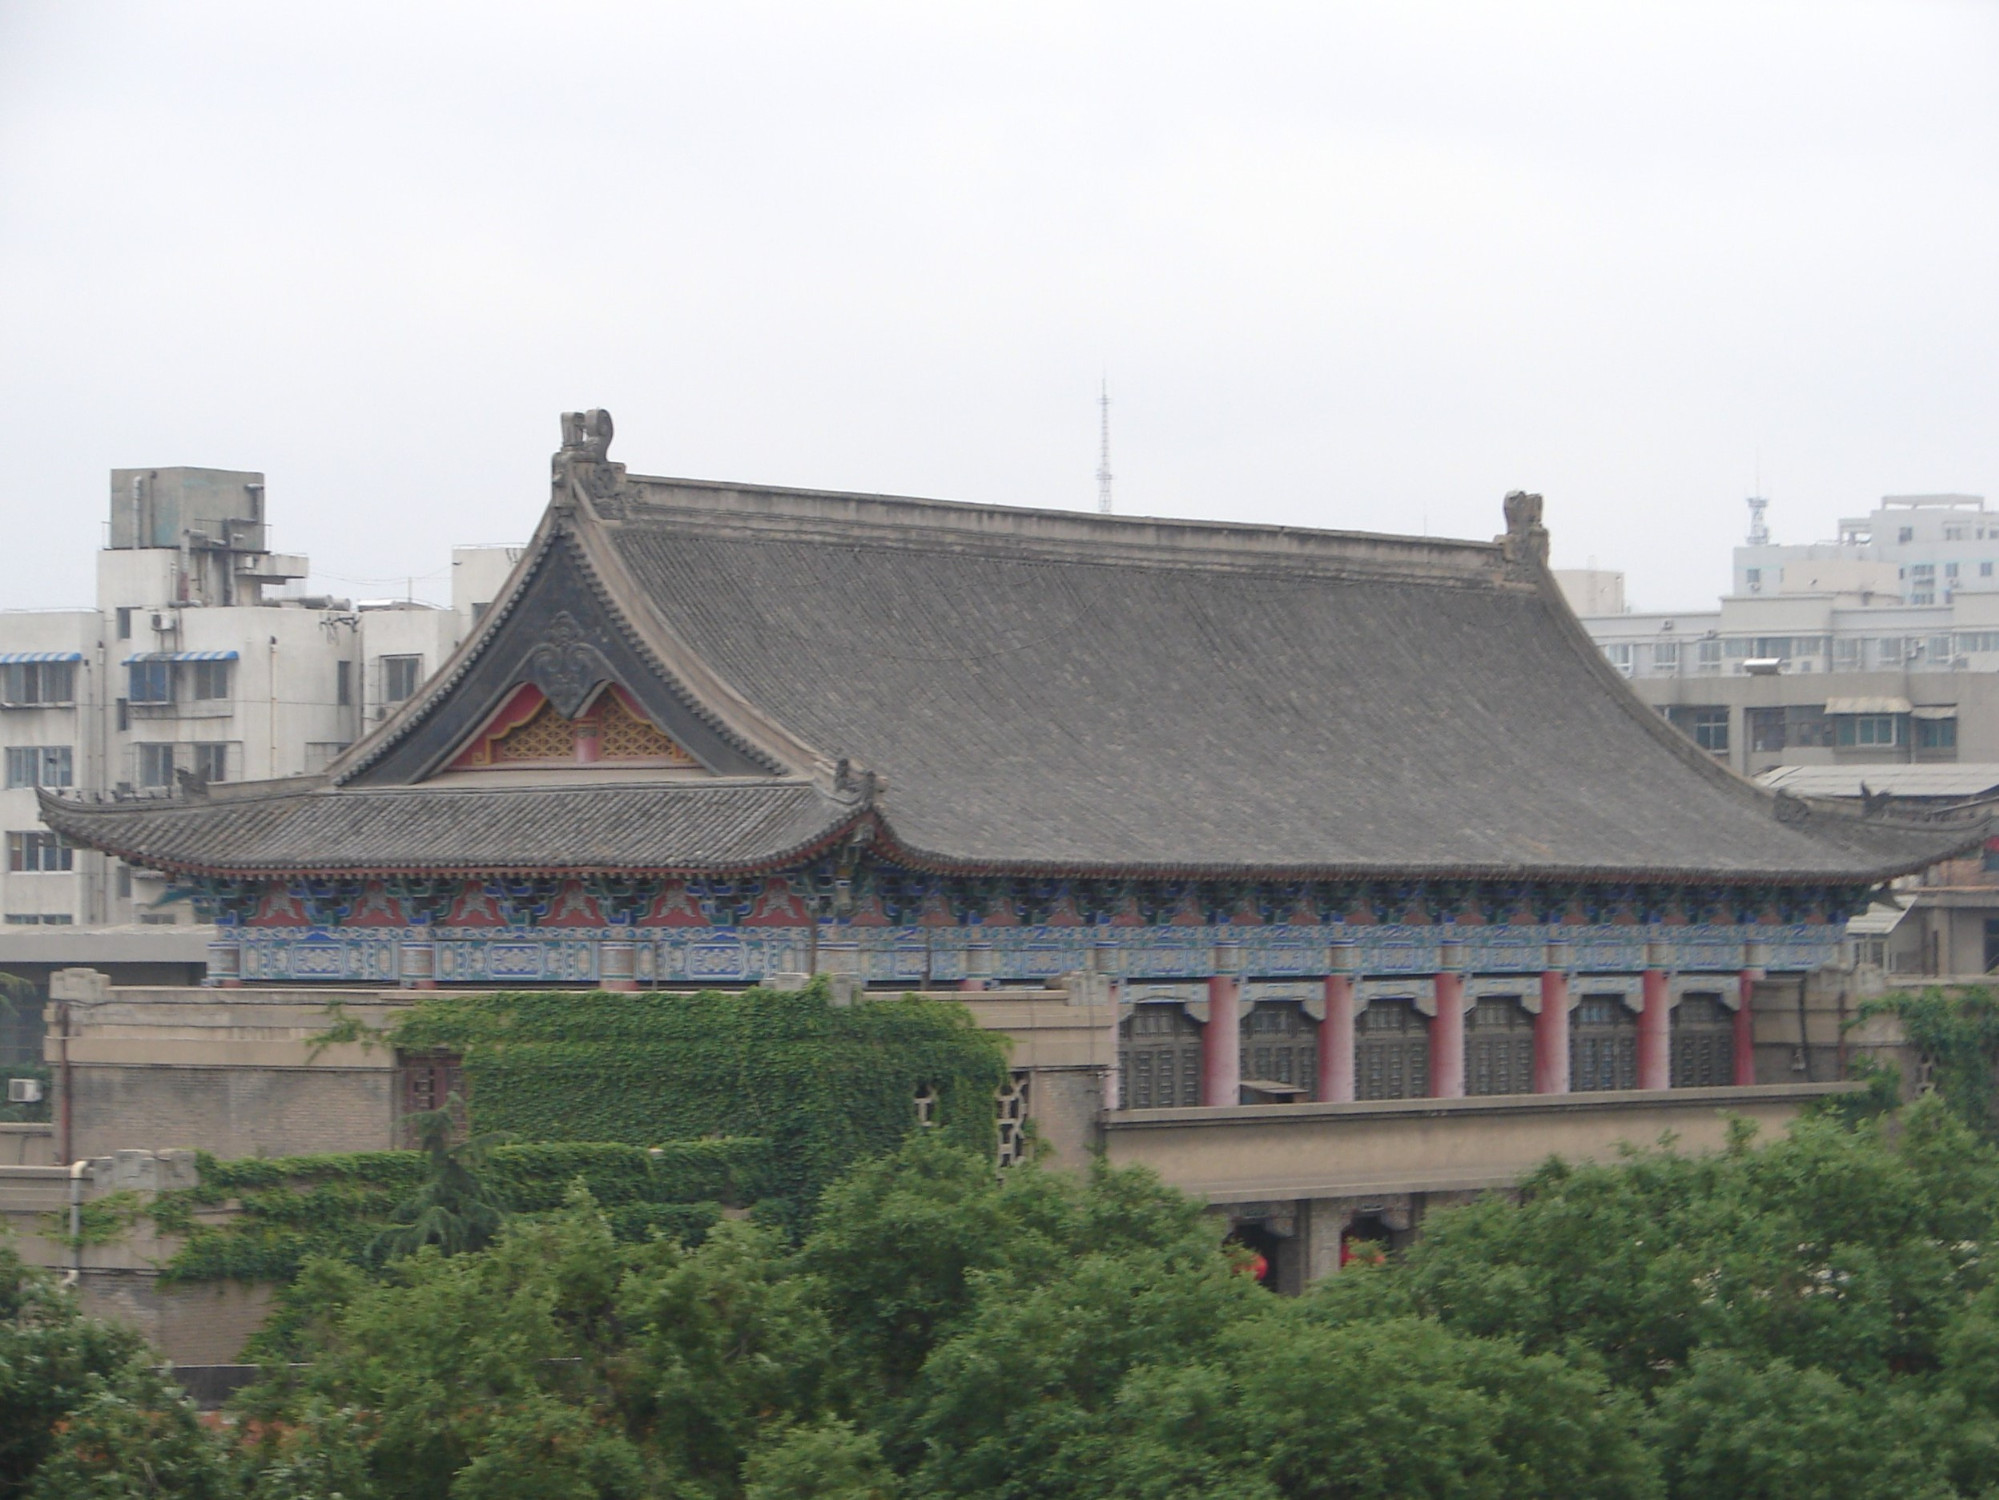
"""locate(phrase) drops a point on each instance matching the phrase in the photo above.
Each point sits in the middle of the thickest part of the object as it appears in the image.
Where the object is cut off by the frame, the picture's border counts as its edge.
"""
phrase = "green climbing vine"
(1957, 1033)
(824, 1085)
(670, 1109)
(260, 1219)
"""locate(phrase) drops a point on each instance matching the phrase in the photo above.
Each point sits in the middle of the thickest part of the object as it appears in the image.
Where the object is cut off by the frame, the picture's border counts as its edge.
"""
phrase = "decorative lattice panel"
(625, 736)
(1013, 1120)
(546, 736)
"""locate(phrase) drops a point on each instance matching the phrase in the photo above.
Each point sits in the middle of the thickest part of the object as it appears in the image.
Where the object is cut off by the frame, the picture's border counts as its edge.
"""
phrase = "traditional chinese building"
(1321, 818)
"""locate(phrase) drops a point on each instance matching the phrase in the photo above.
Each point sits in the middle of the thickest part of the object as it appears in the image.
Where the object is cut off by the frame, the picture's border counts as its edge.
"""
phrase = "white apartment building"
(1881, 647)
(1922, 547)
(199, 662)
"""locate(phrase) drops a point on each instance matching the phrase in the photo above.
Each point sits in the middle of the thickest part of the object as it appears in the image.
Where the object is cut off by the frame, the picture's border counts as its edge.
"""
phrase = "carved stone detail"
(565, 666)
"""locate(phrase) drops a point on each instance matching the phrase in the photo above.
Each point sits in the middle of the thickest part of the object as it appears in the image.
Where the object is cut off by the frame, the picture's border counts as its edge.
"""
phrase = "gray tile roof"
(408, 830)
(1051, 691)
(1042, 692)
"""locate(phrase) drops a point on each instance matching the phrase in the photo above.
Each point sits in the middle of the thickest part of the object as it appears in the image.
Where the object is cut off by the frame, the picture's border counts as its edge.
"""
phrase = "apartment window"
(1706, 726)
(32, 682)
(1618, 653)
(1765, 727)
(1708, 656)
(211, 679)
(156, 765)
(1867, 731)
(1772, 646)
(1923, 598)
(343, 683)
(38, 850)
(211, 761)
(1985, 570)
(1978, 640)
(39, 765)
(1939, 650)
(1953, 533)
(1936, 734)
(151, 682)
(400, 675)
(1666, 656)
(1906, 534)
(124, 622)
(125, 881)
(1950, 570)
(40, 919)
(1754, 577)
(1890, 651)
(1848, 656)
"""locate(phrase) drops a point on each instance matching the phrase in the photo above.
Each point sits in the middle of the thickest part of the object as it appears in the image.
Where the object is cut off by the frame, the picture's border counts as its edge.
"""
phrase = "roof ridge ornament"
(1525, 544)
(583, 466)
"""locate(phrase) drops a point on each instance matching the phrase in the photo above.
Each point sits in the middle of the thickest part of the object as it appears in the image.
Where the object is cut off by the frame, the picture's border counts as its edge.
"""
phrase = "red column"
(1221, 1042)
(1551, 1034)
(1336, 1041)
(1745, 1028)
(1447, 1039)
(1655, 1034)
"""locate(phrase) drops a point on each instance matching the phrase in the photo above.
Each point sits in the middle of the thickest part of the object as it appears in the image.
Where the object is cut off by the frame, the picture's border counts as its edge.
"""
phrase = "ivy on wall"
(824, 1086)
(669, 1109)
(1956, 1032)
(276, 1212)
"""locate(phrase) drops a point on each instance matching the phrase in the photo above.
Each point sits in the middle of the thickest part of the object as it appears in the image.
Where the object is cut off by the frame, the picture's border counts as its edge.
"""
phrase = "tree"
(454, 1208)
(83, 1413)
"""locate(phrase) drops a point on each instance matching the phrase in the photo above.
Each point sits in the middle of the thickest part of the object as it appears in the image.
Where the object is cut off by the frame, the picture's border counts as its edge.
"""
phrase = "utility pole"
(1104, 450)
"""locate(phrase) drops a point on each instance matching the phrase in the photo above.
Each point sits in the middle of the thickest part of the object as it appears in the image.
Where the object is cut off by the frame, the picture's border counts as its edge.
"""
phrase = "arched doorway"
(1264, 1245)
(1367, 1240)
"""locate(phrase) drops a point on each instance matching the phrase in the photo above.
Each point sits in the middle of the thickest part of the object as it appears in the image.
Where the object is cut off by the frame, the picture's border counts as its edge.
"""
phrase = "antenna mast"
(1104, 451)
(1759, 529)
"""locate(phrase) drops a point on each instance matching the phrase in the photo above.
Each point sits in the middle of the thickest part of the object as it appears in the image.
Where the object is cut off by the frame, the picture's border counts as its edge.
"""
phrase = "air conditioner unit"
(24, 1091)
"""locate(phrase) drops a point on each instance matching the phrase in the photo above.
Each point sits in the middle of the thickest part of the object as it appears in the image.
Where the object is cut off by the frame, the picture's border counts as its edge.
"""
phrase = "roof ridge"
(912, 523)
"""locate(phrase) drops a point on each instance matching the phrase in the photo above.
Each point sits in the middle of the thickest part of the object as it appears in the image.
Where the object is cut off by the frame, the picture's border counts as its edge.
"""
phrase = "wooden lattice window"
(1159, 1058)
(1603, 1045)
(546, 736)
(1499, 1047)
(1391, 1051)
(1280, 1044)
(1703, 1043)
(623, 735)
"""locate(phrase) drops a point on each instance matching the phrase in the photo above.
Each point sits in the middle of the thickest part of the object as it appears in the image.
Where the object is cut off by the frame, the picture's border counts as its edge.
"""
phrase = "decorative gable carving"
(531, 730)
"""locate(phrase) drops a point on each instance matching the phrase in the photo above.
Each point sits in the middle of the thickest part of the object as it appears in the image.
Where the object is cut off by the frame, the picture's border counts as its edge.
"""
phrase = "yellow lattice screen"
(625, 736)
(546, 736)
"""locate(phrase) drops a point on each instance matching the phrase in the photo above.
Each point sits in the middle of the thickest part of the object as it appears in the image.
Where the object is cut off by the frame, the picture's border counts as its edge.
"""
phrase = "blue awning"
(179, 656)
(14, 656)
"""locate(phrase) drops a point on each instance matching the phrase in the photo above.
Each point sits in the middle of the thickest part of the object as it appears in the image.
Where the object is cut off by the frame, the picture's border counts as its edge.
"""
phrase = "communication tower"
(1104, 450)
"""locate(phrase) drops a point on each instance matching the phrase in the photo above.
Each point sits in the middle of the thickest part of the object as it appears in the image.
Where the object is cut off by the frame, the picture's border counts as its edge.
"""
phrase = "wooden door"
(1159, 1058)
(1280, 1044)
(1391, 1051)
(1703, 1043)
(1499, 1047)
(1603, 1045)
(426, 1081)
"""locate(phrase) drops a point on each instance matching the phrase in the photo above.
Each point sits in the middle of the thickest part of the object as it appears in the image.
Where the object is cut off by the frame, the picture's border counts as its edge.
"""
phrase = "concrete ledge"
(1249, 1153)
(1263, 1114)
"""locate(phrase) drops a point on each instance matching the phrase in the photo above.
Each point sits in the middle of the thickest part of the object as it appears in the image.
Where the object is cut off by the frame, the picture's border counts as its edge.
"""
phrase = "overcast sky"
(1348, 265)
